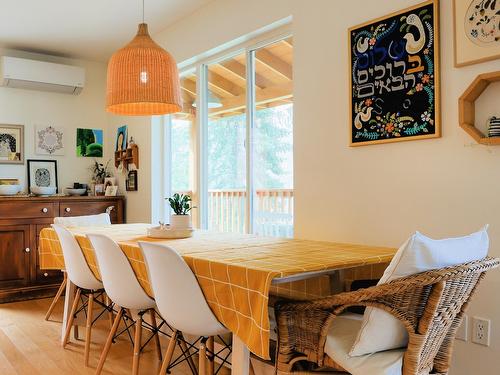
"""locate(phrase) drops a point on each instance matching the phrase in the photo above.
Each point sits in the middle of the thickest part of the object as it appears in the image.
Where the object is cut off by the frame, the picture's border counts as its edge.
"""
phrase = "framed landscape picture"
(11, 144)
(477, 31)
(394, 77)
(89, 142)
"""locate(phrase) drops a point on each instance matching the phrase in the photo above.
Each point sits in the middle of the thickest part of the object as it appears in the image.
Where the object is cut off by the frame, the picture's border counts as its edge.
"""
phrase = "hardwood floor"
(29, 345)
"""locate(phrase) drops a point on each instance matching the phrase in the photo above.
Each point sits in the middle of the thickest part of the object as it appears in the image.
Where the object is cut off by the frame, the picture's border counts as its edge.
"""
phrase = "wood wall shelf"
(127, 157)
(467, 107)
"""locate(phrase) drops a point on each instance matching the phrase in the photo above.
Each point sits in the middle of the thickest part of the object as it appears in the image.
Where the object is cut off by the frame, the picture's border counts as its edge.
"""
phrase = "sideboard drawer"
(28, 210)
(88, 208)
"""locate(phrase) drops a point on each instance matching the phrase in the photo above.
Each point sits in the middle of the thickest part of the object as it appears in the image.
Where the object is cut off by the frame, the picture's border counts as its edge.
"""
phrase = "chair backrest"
(117, 275)
(76, 266)
(84, 221)
(177, 293)
(437, 308)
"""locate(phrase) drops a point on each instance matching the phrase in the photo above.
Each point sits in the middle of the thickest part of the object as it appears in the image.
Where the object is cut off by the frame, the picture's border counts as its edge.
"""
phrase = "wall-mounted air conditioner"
(40, 75)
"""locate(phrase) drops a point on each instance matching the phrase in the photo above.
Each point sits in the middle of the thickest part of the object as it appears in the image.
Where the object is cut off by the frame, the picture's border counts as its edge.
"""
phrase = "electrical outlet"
(463, 329)
(481, 331)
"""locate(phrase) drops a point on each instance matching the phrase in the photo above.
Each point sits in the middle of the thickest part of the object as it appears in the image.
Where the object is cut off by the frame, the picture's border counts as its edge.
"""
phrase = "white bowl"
(43, 190)
(9, 189)
(72, 191)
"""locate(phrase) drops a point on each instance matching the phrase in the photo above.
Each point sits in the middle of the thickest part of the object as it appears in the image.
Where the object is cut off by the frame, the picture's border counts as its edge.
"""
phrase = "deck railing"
(273, 211)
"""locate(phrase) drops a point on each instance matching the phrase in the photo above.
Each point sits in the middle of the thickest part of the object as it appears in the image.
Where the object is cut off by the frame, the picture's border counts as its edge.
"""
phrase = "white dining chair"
(76, 221)
(79, 273)
(181, 303)
(122, 287)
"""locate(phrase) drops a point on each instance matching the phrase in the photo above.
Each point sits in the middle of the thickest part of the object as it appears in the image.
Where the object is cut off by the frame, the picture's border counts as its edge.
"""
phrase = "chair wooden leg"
(137, 345)
(157, 335)
(72, 316)
(109, 341)
(111, 317)
(56, 298)
(88, 329)
(210, 351)
(169, 353)
(202, 366)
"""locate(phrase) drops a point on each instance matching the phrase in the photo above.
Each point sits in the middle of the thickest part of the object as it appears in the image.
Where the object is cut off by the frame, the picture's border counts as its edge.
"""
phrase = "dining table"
(236, 272)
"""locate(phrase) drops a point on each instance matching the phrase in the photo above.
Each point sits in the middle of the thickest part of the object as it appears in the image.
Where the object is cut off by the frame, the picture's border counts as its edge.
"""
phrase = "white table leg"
(240, 358)
(68, 302)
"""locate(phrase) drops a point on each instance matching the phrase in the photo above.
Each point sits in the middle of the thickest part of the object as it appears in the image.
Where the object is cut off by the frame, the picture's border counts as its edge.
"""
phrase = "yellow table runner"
(234, 271)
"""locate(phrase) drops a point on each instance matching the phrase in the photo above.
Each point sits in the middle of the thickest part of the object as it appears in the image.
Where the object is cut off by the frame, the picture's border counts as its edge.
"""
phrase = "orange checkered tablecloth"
(234, 271)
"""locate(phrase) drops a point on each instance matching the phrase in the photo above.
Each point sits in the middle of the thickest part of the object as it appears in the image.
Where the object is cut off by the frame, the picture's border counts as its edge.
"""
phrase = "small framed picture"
(11, 144)
(131, 183)
(42, 173)
(109, 181)
(111, 191)
(121, 138)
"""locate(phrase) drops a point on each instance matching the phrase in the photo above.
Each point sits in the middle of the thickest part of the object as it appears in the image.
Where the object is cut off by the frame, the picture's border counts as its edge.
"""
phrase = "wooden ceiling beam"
(274, 63)
(239, 70)
(269, 94)
(218, 82)
(189, 86)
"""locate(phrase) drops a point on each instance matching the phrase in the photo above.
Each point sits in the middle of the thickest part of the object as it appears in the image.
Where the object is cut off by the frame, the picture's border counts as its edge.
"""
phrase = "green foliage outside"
(273, 148)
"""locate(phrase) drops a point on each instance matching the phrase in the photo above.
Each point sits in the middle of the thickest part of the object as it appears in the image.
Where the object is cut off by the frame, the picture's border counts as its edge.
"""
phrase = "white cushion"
(380, 330)
(339, 341)
(84, 221)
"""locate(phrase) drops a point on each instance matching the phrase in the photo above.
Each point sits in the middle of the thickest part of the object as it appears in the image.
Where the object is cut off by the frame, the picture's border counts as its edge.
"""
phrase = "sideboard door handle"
(45, 210)
(27, 249)
(45, 274)
(67, 209)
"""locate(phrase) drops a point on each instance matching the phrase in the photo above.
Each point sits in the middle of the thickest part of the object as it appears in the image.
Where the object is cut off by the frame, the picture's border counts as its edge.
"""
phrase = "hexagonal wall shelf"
(467, 108)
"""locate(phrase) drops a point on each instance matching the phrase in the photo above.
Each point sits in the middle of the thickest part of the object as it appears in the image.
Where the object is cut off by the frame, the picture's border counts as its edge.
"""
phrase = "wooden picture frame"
(394, 75)
(11, 144)
(470, 45)
(131, 182)
(49, 171)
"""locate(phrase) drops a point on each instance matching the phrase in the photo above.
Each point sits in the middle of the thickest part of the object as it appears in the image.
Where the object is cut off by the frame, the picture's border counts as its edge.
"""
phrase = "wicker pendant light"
(143, 79)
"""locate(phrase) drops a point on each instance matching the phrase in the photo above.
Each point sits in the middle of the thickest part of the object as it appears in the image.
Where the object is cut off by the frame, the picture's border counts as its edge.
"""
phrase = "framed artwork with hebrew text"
(394, 77)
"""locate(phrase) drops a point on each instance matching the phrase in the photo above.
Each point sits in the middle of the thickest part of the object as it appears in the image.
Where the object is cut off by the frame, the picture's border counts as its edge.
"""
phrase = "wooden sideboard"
(21, 220)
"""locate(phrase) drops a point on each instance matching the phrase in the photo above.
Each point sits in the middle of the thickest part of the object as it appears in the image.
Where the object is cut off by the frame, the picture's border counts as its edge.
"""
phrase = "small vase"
(180, 221)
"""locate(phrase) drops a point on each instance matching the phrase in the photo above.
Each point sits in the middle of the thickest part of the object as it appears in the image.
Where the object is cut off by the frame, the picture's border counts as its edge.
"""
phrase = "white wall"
(28, 108)
(375, 194)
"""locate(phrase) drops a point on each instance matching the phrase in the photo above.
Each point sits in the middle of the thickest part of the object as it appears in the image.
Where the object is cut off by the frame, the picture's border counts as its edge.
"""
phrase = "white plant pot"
(180, 221)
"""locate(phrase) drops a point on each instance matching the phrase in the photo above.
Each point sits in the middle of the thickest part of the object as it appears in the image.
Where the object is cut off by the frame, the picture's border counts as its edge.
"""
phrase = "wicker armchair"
(430, 305)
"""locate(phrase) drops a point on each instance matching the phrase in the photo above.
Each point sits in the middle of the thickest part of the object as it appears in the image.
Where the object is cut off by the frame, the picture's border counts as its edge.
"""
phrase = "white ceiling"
(87, 29)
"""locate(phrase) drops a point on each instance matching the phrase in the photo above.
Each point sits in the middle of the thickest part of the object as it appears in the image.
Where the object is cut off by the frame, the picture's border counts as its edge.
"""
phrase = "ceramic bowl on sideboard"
(72, 191)
(43, 190)
(9, 189)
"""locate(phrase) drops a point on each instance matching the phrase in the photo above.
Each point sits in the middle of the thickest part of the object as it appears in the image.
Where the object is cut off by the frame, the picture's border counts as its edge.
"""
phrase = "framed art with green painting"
(394, 76)
(89, 142)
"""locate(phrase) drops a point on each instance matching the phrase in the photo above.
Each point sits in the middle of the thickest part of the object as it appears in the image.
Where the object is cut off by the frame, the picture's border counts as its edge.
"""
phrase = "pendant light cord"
(142, 11)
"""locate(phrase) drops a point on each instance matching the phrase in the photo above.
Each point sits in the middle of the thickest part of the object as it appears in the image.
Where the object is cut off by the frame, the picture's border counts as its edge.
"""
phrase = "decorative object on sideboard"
(467, 108)
(99, 173)
(394, 77)
(89, 142)
(76, 192)
(477, 31)
(111, 191)
(124, 158)
(142, 78)
(11, 144)
(181, 206)
(42, 177)
(121, 138)
(9, 186)
(49, 140)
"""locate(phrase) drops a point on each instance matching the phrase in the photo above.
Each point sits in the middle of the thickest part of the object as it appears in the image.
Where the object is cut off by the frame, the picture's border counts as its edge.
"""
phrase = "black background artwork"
(394, 77)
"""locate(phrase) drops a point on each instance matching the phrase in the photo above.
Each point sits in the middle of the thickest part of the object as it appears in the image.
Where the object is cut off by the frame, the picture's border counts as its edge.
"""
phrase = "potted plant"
(99, 173)
(181, 205)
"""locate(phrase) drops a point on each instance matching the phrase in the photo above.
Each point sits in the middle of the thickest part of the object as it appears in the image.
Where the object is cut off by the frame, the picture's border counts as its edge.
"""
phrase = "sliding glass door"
(237, 126)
